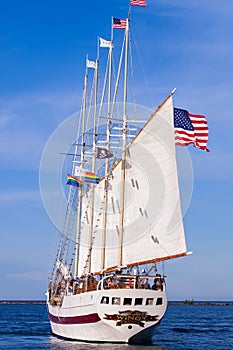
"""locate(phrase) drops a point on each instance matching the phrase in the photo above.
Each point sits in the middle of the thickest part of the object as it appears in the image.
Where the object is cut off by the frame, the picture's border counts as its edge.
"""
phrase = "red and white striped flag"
(190, 129)
(119, 23)
(138, 3)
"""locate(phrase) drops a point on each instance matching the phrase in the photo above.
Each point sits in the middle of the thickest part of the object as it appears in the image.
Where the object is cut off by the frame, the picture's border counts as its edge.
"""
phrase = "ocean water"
(26, 326)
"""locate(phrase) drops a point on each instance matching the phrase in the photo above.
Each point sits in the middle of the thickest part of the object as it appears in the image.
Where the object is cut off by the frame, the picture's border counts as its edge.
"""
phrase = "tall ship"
(123, 217)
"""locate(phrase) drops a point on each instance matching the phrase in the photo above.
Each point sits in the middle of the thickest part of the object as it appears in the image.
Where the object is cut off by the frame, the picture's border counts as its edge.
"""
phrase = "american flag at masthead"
(119, 23)
(190, 129)
(138, 2)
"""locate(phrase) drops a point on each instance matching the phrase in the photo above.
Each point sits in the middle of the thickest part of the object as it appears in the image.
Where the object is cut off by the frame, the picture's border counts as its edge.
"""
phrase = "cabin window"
(116, 301)
(159, 301)
(138, 301)
(105, 300)
(149, 301)
(127, 301)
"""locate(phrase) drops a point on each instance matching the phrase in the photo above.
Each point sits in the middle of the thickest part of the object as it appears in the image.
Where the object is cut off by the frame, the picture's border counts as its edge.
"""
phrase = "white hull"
(85, 317)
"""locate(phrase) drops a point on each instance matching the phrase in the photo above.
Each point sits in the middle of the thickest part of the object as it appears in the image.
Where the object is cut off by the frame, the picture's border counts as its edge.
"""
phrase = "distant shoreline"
(201, 303)
(177, 303)
(35, 302)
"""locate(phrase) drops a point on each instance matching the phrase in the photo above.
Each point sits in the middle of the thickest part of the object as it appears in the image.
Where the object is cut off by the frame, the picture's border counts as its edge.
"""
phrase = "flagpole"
(90, 238)
(78, 227)
(98, 48)
(105, 214)
(125, 119)
(112, 30)
(129, 12)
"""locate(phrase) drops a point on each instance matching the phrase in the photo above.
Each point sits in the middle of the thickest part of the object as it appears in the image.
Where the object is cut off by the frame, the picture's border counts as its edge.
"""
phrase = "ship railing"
(110, 281)
(127, 281)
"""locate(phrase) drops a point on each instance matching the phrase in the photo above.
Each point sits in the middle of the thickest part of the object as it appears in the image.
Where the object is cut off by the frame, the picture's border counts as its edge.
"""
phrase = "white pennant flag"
(78, 171)
(105, 43)
(91, 64)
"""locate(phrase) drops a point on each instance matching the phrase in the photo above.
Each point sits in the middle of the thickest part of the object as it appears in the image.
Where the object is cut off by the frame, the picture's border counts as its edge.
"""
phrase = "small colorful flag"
(91, 64)
(190, 129)
(91, 178)
(105, 43)
(73, 181)
(103, 153)
(138, 3)
(119, 23)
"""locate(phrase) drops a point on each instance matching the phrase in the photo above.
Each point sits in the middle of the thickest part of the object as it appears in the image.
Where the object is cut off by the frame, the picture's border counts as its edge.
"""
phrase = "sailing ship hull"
(94, 317)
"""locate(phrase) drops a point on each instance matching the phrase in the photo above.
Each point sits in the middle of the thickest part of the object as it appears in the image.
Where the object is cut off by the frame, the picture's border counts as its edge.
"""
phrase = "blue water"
(182, 328)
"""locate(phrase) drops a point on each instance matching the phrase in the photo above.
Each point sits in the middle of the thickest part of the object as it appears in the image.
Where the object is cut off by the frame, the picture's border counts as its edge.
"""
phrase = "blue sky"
(181, 43)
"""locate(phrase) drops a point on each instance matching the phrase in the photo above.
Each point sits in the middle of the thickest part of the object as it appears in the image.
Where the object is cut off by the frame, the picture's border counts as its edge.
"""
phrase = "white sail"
(97, 230)
(153, 226)
(156, 230)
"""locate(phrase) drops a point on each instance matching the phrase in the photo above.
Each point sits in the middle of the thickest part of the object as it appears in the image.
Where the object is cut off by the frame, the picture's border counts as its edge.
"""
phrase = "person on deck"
(145, 284)
(158, 282)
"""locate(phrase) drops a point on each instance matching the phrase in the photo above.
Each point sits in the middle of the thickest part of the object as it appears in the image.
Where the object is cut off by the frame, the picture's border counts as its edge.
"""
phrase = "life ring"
(131, 283)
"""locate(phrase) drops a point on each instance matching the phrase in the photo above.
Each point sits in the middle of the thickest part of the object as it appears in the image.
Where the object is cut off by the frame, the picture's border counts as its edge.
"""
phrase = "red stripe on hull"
(92, 318)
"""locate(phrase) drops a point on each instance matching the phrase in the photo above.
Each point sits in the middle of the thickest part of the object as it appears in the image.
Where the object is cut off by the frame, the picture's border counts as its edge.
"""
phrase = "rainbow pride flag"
(91, 178)
(73, 181)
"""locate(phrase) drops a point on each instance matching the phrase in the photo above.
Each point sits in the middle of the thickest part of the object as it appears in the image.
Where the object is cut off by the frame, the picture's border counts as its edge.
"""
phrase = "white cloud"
(29, 275)
(221, 9)
(6, 120)
(8, 197)
(26, 123)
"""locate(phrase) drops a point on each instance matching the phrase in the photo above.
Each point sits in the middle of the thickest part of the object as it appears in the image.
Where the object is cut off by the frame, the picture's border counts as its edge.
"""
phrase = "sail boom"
(156, 260)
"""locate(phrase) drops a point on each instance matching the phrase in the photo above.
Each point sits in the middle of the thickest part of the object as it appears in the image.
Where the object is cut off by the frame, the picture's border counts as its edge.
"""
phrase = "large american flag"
(138, 2)
(119, 23)
(190, 129)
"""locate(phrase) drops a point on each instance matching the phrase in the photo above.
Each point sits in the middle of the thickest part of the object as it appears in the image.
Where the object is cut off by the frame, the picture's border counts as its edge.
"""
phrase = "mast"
(102, 266)
(78, 228)
(90, 237)
(122, 194)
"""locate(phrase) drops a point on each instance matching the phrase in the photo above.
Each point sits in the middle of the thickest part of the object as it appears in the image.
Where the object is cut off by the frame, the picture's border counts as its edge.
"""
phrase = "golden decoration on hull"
(131, 317)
